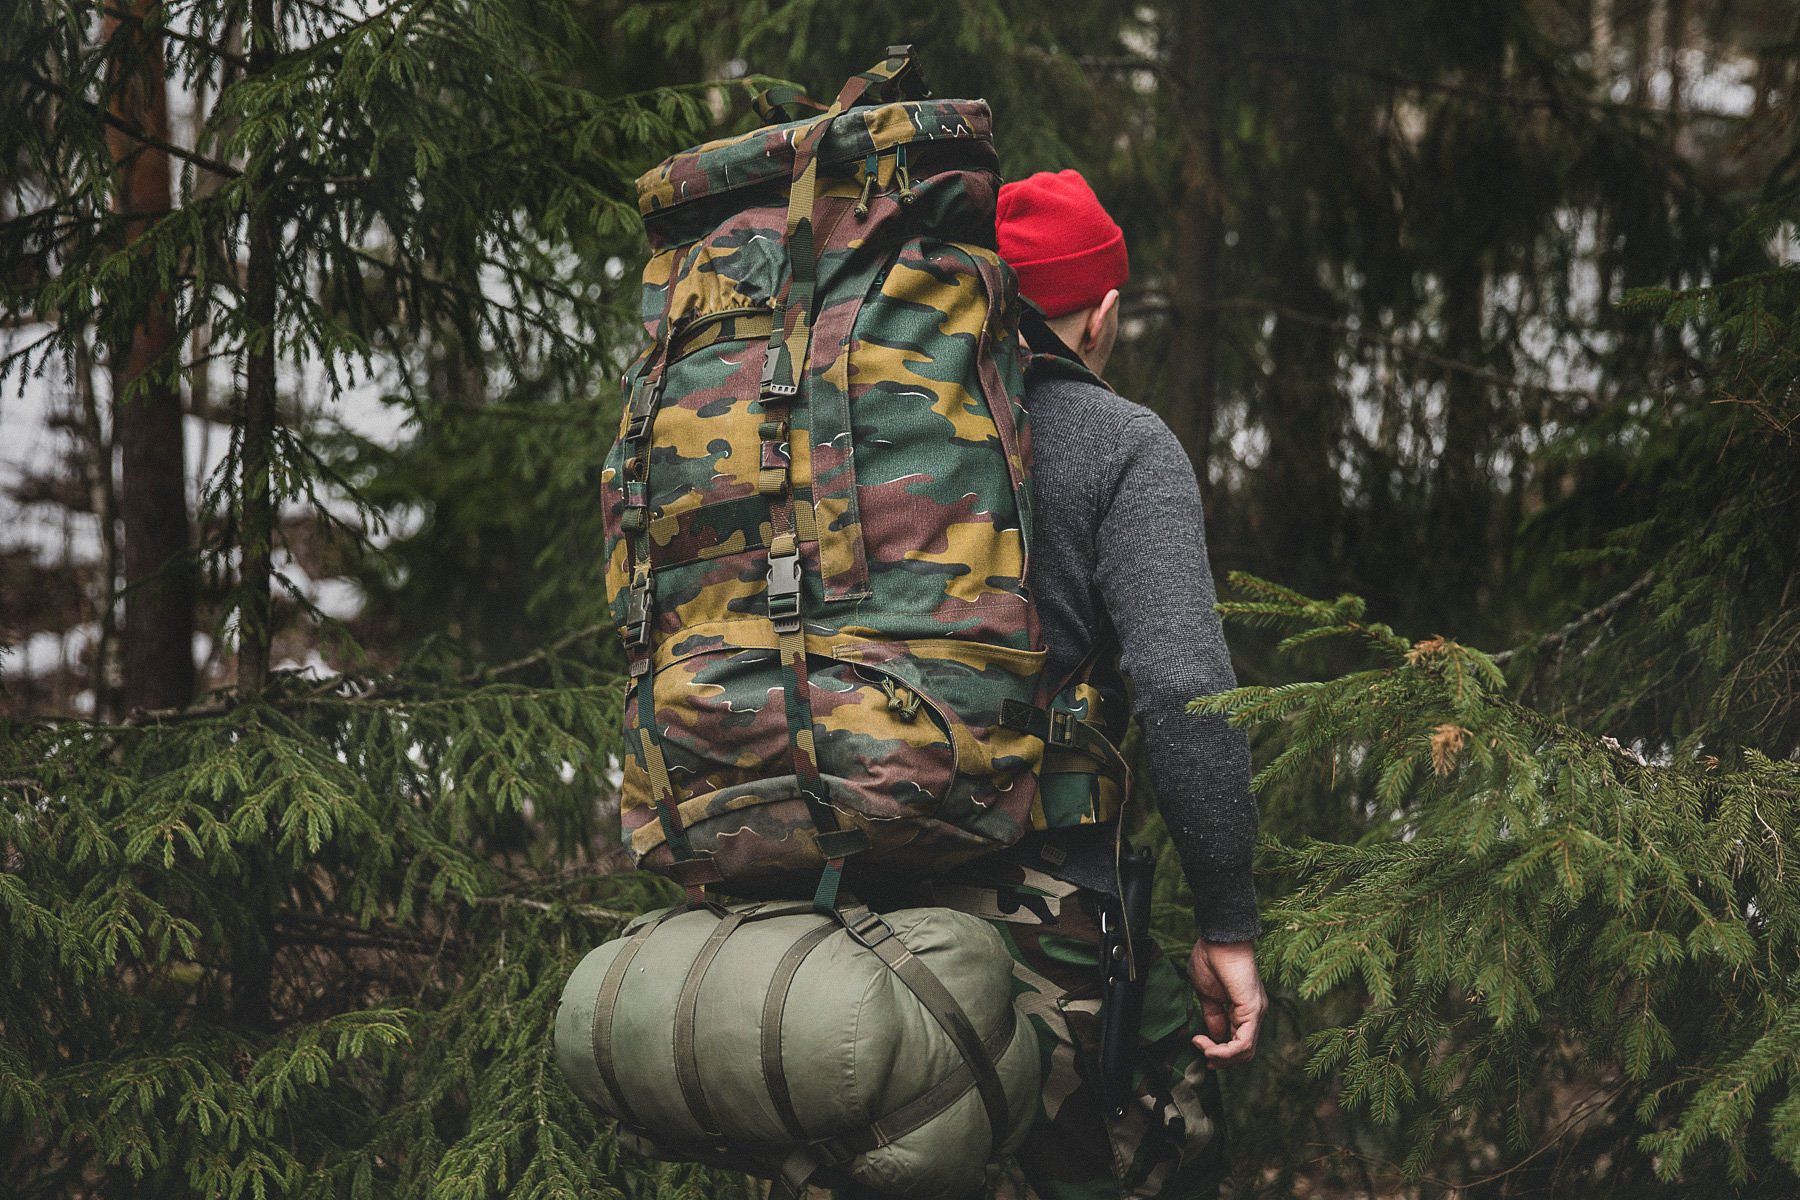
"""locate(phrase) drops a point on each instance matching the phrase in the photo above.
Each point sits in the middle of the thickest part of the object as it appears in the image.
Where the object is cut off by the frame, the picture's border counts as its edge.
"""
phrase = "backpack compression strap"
(691, 868)
(785, 359)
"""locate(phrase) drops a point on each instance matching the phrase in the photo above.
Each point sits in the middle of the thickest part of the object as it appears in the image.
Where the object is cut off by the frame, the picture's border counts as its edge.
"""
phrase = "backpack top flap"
(688, 193)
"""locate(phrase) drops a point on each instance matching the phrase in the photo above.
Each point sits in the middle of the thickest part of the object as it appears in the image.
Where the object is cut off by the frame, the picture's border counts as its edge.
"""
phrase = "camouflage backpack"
(819, 510)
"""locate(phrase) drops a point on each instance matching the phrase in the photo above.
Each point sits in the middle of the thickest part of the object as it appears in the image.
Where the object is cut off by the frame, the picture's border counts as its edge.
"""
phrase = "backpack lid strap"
(898, 75)
(785, 362)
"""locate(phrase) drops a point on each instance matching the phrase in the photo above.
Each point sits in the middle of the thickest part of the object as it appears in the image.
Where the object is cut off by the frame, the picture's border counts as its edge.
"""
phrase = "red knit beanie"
(1065, 250)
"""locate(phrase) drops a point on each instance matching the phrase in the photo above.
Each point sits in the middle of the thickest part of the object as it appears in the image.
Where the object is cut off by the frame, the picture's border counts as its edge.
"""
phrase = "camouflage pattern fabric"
(818, 507)
(1170, 1144)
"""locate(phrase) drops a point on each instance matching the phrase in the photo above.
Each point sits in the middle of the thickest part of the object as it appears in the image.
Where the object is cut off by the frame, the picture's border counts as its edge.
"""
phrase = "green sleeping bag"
(838, 1048)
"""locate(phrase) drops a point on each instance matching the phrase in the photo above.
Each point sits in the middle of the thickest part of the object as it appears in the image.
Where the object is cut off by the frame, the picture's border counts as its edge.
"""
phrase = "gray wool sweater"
(1120, 542)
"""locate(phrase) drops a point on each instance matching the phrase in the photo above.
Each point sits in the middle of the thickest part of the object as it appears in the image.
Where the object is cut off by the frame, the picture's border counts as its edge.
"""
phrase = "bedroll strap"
(774, 1007)
(606, 1004)
(687, 1060)
(797, 1171)
(909, 1116)
(876, 934)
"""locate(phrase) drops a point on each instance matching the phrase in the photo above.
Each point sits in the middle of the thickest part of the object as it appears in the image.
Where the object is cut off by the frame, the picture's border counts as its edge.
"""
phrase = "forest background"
(1479, 319)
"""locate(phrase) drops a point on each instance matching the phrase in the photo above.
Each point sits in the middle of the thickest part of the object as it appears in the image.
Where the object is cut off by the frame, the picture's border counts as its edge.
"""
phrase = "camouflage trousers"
(1170, 1144)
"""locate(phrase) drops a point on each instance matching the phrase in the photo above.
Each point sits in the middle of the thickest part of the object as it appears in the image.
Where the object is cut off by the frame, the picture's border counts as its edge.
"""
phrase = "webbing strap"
(783, 102)
(784, 365)
(774, 1006)
(656, 768)
(1015, 436)
(869, 929)
(914, 1113)
(797, 1170)
(1083, 672)
(640, 638)
(1062, 729)
(606, 1002)
(687, 1057)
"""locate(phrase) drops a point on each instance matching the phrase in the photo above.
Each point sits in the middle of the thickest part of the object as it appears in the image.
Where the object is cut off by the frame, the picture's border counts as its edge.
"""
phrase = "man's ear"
(1093, 330)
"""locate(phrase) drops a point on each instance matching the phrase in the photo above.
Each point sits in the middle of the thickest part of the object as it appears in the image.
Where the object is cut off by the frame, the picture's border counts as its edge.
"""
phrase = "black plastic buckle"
(1062, 728)
(869, 930)
(637, 616)
(784, 591)
(644, 395)
(775, 359)
(697, 871)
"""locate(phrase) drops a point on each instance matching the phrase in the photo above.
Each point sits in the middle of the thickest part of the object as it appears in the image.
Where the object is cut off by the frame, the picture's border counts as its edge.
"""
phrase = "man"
(1120, 551)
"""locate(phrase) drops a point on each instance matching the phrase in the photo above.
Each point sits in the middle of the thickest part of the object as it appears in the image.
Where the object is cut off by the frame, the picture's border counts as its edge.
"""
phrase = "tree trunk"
(1193, 371)
(1298, 496)
(257, 525)
(104, 500)
(1675, 31)
(158, 654)
(1601, 25)
(1464, 499)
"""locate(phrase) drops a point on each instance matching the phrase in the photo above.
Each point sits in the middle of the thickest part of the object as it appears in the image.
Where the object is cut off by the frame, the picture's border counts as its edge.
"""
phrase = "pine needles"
(1527, 895)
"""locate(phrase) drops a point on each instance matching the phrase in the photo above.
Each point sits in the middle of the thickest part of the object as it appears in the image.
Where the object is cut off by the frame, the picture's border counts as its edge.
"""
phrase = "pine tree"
(1554, 952)
(303, 937)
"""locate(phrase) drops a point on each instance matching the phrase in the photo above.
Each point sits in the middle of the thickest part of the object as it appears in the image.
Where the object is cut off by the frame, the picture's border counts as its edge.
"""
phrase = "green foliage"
(307, 946)
(1543, 940)
(1529, 898)
(430, 168)
(1529, 911)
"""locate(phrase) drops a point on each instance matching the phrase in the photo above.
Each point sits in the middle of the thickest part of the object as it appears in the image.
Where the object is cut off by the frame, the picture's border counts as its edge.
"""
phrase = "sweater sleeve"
(1157, 586)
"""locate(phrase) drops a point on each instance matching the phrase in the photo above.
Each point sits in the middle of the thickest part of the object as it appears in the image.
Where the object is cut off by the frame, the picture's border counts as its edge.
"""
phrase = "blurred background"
(1482, 312)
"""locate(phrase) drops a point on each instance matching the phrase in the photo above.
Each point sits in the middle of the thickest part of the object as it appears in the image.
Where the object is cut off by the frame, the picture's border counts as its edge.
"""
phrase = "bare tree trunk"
(158, 568)
(1464, 516)
(1675, 30)
(1193, 371)
(257, 527)
(103, 499)
(1601, 24)
(1643, 52)
(1298, 490)
(253, 951)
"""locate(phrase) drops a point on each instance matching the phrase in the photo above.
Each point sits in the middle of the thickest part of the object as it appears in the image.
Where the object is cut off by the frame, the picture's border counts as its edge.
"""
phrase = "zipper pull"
(871, 168)
(905, 703)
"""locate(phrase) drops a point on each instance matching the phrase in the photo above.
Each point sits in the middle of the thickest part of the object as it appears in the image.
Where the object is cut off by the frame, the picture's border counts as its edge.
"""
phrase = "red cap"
(1057, 238)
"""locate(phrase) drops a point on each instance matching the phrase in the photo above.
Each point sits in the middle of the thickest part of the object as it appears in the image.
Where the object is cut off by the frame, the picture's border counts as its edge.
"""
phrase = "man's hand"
(1232, 1000)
